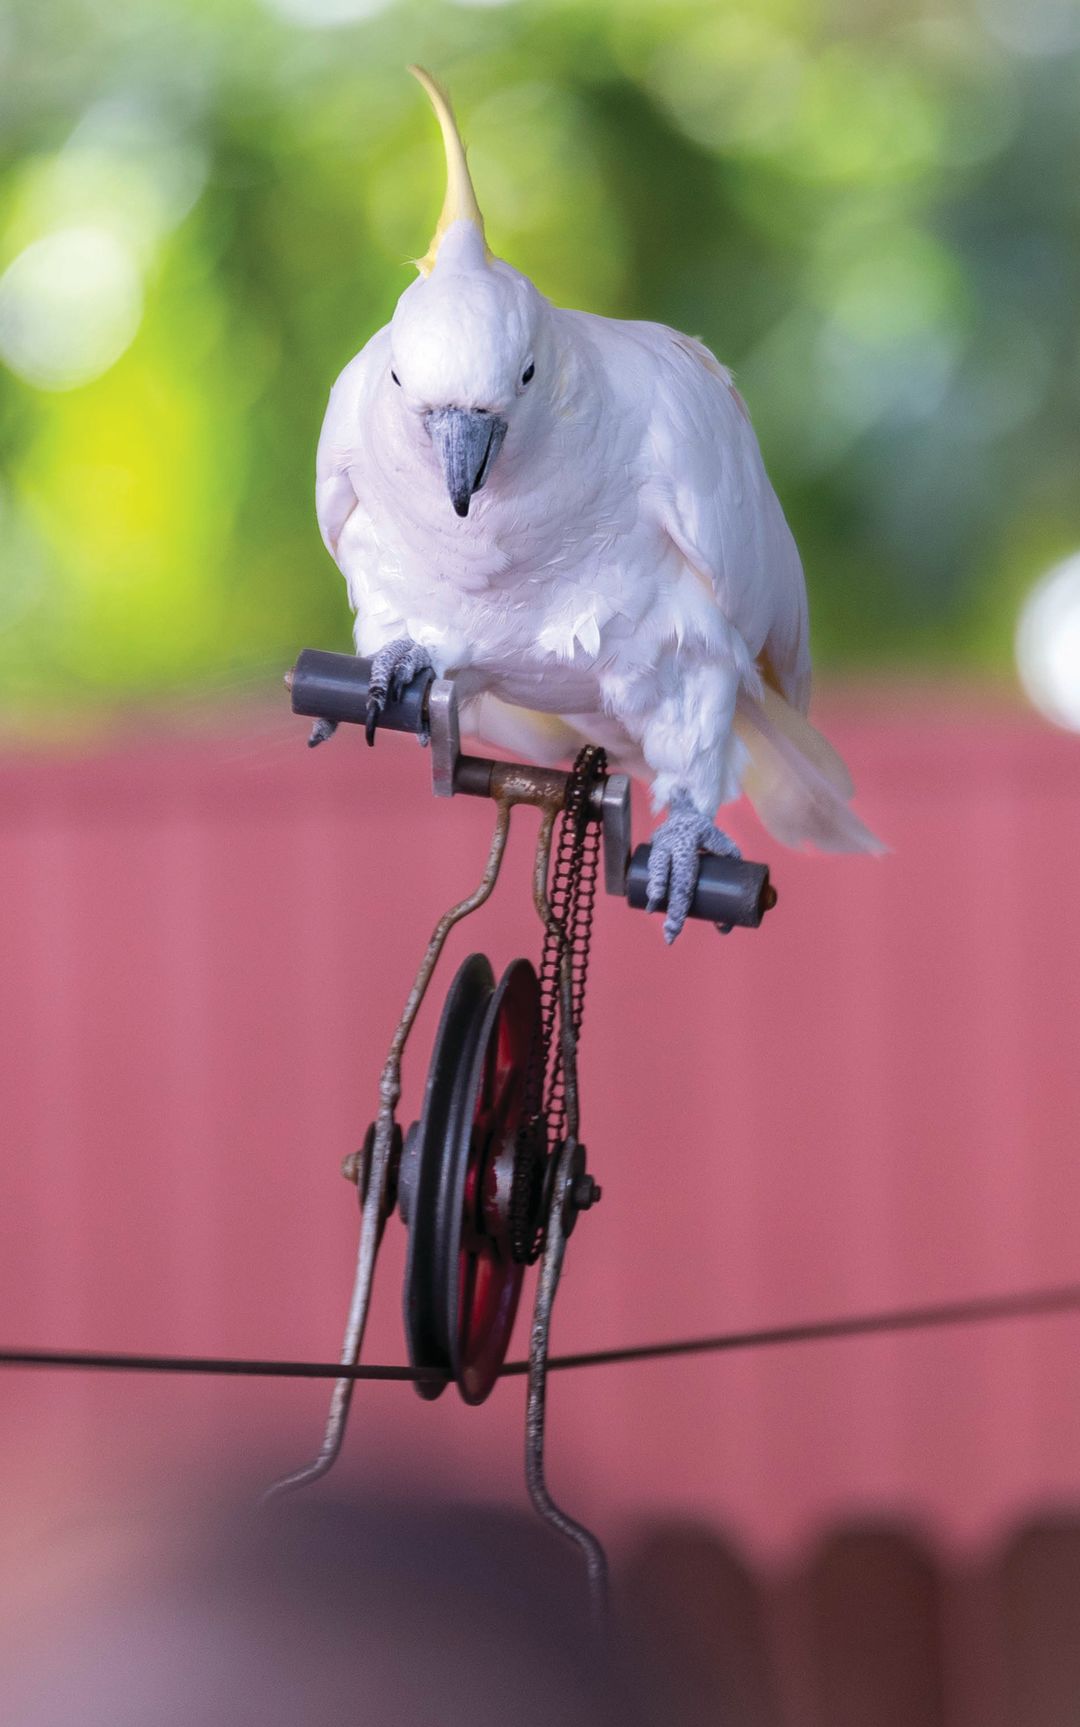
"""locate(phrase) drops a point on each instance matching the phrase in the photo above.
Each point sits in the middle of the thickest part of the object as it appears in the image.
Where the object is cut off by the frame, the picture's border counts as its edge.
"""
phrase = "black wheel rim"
(462, 1282)
(447, 1080)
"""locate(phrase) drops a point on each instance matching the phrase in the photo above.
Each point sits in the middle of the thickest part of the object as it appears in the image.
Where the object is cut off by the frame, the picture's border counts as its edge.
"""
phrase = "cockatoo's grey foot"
(675, 860)
(392, 671)
(320, 731)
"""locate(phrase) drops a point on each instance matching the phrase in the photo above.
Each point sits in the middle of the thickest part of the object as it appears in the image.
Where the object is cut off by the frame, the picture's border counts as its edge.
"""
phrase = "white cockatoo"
(569, 514)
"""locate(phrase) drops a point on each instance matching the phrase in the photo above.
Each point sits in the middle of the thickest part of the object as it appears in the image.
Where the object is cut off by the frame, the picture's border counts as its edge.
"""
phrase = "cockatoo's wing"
(349, 404)
(716, 503)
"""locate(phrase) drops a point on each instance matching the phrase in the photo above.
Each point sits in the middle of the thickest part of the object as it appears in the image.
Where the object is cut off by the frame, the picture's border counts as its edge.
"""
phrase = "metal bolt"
(352, 1165)
(585, 1193)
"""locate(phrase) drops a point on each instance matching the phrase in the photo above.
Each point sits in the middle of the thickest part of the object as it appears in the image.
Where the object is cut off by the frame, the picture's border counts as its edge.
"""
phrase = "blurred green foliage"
(867, 207)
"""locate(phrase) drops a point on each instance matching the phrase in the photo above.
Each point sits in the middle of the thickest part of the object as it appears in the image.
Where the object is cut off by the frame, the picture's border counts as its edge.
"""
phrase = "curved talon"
(675, 860)
(375, 703)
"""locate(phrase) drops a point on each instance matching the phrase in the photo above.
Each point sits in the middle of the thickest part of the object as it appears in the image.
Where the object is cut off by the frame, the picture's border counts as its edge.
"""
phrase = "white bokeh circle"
(1048, 644)
(70, 304)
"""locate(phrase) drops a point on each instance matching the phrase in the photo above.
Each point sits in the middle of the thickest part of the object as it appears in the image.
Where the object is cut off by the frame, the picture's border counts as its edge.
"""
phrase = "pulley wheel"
(462, 1282)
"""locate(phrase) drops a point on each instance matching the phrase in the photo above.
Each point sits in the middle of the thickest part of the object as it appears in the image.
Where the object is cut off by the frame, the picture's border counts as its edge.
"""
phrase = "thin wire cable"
(104, 1361)
(1027, 1304)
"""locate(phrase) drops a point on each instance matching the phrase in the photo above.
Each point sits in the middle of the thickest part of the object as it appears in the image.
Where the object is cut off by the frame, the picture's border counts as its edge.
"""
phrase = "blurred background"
(867, 210)
(870, 212)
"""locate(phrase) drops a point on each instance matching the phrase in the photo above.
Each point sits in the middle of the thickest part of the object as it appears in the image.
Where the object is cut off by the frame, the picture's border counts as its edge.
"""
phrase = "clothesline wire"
(977, 1310)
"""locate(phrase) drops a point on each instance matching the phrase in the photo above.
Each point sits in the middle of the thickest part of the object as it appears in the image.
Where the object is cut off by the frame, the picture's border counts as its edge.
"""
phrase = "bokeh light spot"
(733, 83)
(1048, 644)
(70, 304)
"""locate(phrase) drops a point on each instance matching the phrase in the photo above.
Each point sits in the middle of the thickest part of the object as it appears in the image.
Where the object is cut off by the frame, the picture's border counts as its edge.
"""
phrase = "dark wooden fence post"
(875, 1605)
(1040, 1597)
(697, 1613)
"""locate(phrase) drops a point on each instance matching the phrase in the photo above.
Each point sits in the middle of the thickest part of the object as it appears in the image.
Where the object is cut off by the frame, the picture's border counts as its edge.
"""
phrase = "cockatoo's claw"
(320, 732)
(375, 704)
(393, 669)
(675, 860)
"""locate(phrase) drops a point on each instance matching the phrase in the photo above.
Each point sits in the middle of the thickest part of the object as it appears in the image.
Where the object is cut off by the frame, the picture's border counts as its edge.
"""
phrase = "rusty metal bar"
(554, 1251)
(373, 1216)
(536, 1405)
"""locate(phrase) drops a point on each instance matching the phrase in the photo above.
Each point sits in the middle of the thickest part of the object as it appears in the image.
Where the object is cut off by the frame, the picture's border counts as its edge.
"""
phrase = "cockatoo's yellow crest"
(460, 203)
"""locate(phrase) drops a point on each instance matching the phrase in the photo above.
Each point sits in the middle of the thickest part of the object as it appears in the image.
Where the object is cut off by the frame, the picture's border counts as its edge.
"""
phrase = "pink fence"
(870, 1102)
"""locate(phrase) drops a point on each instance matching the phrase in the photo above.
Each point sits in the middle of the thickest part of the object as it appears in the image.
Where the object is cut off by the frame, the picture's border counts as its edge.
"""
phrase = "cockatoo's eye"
(395, 377)
(529, 372)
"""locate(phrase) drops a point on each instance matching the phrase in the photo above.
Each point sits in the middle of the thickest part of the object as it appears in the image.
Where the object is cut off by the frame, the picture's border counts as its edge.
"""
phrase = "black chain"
(572, 897)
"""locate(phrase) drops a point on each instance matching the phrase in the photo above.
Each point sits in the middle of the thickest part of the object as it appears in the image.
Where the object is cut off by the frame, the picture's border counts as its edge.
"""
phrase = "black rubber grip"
(729, 890)
(335, 687)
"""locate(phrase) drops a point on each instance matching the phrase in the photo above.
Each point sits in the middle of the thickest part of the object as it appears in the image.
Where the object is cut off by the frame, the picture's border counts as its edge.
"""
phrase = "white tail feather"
(795, 780)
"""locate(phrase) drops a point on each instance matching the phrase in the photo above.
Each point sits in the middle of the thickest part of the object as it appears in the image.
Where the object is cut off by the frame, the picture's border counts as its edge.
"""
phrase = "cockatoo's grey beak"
(468, 441)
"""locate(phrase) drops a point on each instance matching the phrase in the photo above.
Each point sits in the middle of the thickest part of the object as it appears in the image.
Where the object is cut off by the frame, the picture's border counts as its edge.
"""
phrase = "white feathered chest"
(563, 569)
